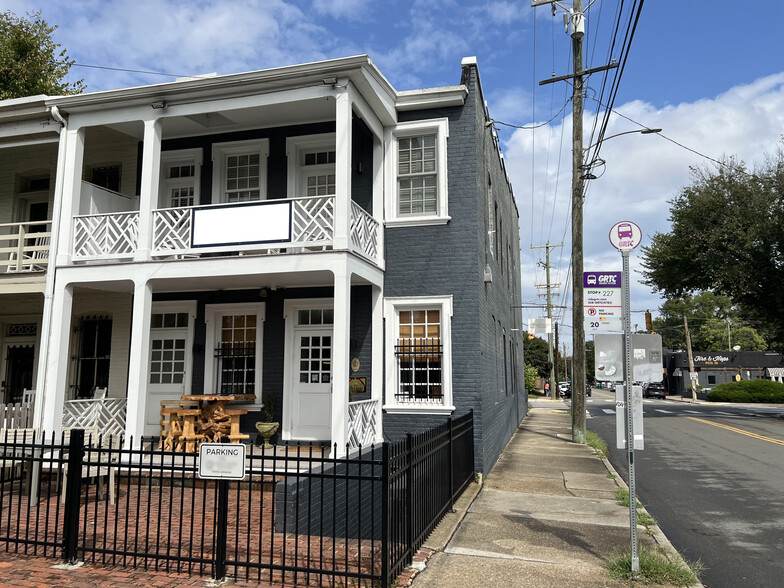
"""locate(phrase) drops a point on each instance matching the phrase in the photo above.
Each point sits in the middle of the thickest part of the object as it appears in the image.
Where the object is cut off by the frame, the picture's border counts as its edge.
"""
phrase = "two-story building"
(276, 234)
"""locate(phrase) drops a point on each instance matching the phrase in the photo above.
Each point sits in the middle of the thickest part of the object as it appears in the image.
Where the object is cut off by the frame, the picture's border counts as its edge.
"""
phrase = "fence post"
(410, 493)
(73, 491)
(221, 530)
(385, 515)
(451, 467)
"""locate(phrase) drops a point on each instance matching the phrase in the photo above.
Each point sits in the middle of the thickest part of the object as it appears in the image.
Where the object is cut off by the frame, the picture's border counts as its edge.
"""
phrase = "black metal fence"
(300, 515)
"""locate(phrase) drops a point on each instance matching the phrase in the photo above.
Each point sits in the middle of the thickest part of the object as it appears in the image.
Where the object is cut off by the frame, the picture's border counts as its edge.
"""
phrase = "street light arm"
(645, 131)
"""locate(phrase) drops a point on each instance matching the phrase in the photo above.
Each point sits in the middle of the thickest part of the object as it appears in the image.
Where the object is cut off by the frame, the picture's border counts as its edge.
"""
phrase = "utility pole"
(549, 294)
(692, 373)
(576, 22)
(557, 372)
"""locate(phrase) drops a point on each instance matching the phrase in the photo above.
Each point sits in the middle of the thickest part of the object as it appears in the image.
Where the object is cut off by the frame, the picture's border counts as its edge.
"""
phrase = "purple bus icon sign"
(601, 279)
(625, 235)
(625, 231)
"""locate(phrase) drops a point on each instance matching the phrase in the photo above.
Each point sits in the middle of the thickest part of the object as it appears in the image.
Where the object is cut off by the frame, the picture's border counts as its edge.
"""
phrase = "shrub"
(748, 391)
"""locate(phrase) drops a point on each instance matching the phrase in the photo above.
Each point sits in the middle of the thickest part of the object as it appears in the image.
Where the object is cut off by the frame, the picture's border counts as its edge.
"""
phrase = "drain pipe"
(46, 317)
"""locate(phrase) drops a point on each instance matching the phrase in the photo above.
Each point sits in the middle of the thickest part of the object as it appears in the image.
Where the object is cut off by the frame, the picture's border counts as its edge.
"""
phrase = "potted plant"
(267, 426)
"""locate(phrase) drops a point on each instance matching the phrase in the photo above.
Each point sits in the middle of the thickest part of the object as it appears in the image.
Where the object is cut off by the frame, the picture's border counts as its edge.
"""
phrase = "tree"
(30, 61)
(726, 238)
(531, 375)
(708, 316)
(536, 355)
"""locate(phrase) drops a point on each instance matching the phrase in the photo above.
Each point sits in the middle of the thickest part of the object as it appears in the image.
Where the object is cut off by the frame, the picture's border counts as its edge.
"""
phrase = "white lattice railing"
(312, 226)
(25, 246)
(362, 423)
(364, 232)
(101, 236)
(108, 414)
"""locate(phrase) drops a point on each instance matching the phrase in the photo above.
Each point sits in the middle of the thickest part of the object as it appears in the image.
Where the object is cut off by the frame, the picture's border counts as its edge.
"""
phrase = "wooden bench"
(234, 434)
(191, 438)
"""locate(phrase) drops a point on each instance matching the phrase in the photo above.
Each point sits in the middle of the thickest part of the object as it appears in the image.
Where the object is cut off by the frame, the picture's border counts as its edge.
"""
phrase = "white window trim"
(188, 306)
(193, 157)
(219, 153)
(211, 312)
(291, 308)
(392, 306)
(439, 126)
(295, 146)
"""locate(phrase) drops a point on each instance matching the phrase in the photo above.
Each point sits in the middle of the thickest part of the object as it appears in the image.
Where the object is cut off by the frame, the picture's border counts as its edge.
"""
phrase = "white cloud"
(349, 9)
(642, 172)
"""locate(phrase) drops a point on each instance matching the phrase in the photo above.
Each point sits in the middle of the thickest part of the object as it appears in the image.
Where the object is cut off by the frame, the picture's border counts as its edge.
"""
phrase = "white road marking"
(662, 410)
(608, 411)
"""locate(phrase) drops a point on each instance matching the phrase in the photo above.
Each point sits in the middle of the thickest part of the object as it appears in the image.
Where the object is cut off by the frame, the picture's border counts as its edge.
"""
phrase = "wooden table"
(214, 420)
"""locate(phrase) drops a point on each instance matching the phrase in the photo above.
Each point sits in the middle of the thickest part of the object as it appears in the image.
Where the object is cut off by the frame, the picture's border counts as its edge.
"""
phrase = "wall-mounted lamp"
(160, 105)
(263, 292)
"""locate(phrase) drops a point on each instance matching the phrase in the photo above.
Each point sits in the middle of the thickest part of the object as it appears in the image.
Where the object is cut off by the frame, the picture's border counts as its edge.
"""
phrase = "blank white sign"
(264, 222)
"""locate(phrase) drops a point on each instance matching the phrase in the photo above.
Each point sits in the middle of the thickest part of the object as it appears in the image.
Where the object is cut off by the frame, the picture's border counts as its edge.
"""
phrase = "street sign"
(620, 417)
(646, 358)
(602, 301)
(540, 326)
(625, 236)
(222, 461)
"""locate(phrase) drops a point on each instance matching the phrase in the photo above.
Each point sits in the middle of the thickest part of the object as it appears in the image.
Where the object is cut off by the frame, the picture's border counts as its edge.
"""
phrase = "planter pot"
(267, 430)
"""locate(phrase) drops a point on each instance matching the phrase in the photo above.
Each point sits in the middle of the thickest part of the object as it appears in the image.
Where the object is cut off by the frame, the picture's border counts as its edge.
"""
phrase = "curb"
(658, 534)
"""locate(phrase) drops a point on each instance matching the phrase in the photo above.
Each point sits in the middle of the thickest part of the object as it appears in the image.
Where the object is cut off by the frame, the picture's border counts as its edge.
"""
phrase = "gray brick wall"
(450, 259)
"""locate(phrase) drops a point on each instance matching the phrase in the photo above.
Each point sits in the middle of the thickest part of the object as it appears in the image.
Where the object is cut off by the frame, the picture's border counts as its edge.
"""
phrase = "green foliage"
(655, 568)
(30, 61)
(726, 238)
(598, 444)
(267, 414)
(748, 391)
(535, 351)
(531, 375)
(707, 313)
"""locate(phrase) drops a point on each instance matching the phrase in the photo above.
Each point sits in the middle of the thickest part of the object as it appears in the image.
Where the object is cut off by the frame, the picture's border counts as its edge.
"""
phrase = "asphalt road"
(713, 477)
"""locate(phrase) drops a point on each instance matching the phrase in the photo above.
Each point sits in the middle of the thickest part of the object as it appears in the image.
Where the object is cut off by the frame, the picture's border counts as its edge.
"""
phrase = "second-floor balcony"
(24, 247)
(293, 225)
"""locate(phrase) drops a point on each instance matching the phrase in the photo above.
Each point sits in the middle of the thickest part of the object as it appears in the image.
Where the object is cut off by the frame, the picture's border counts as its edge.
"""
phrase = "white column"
(343, 126)
(377, 354)
(148, 197)
(56, 382)
(340, 357)
(378, 194)
(71, 192)
(139, 361)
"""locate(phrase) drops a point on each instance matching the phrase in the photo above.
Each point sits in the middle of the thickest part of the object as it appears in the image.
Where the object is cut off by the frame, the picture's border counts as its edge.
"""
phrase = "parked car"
(565, 389)
(654, 389)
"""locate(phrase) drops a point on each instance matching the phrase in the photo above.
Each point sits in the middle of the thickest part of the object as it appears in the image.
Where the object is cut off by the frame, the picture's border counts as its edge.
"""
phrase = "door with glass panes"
(169, 374)
(312, 385)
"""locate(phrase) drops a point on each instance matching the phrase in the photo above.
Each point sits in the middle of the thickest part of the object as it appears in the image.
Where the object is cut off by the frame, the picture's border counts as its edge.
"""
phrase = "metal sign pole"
(627, 370)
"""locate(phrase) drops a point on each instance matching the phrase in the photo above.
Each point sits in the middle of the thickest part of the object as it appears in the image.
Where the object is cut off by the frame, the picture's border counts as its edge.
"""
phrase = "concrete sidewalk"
(545, 516)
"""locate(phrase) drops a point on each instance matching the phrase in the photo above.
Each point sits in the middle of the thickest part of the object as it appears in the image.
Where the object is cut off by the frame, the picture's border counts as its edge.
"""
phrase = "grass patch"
(622, 497)
(655, 568)
(643, 518)
(593, 440)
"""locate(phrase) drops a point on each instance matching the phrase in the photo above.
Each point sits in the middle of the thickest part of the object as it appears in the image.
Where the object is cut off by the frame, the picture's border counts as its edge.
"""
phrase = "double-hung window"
(419, 362)
(240, 171)
(417, 156)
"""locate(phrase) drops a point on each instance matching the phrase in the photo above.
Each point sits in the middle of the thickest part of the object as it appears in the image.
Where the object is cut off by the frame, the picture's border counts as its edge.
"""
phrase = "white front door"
(171, 335)
(312, 385)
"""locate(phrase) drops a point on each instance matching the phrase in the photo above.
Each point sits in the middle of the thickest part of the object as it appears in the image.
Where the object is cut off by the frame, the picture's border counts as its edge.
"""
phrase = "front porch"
(204, 326)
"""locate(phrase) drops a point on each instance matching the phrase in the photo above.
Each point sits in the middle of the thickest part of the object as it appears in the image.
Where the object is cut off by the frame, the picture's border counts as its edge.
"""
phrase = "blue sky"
(709, 73)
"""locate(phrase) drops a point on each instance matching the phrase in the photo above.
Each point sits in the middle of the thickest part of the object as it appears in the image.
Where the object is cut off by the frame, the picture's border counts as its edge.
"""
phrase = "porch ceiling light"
(159, 105)
(329, 81)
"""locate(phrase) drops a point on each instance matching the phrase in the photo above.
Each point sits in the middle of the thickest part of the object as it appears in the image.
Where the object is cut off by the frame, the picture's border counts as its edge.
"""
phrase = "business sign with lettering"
(222, 461)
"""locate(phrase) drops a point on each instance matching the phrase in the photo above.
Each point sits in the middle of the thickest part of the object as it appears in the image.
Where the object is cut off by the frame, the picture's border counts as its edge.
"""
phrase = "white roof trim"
(431, 97)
